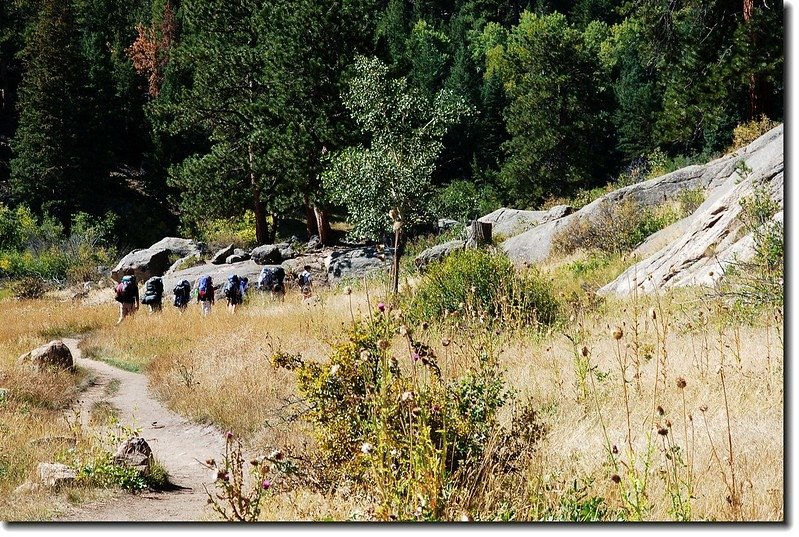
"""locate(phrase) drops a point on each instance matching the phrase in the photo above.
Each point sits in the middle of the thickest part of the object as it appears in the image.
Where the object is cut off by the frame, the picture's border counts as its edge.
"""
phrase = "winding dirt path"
(179, 445)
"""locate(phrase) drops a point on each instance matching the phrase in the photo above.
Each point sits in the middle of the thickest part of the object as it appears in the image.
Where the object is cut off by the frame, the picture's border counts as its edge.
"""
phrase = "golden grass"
(217, 370)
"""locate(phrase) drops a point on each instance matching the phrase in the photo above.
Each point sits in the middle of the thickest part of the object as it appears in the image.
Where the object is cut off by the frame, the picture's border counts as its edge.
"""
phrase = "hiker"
(127, 294)
(182, 292)
(233, 292)
(153, 293)
(271, 279)
(205, 294)
(305, 280)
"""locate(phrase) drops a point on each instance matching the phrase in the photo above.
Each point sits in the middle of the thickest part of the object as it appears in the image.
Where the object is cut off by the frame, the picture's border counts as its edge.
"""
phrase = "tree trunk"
(479, 234)
(311, 225)
(261, 227)
(323, 225)
(396, 264)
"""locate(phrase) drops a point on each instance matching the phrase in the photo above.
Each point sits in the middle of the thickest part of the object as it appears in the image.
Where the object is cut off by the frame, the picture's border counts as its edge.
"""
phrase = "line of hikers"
(270, 279)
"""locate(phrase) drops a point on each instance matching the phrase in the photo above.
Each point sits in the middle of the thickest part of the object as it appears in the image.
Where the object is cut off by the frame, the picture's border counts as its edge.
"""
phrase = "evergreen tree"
(57, 167)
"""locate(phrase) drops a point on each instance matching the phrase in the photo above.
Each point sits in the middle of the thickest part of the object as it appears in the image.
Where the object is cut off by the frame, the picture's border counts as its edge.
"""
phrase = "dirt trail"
(179, 445)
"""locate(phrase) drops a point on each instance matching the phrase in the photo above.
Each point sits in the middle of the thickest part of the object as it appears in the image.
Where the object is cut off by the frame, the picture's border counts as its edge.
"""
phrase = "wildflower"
(222, 474)
(381, 307)
(366, 448)
(461, 305)
(615, 478)
(365, 355)
(229, 435)
(618, 333)
(334, 369)
(403, 330)
(435, 409)
(681, 382)
(266, 485)
(668, 424)
(415, 356)
(415, 411)
(406, 396)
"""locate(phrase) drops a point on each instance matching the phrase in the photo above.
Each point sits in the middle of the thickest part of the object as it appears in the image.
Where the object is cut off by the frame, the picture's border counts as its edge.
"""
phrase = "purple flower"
(381, 307)
(229, 435)
(266, 485)
(415, 356)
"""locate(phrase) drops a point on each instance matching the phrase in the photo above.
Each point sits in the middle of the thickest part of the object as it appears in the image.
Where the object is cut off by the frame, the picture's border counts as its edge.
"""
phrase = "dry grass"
(217, 369)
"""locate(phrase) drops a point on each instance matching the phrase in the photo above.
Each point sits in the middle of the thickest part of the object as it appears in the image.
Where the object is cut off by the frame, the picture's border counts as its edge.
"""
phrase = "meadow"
(657, 408)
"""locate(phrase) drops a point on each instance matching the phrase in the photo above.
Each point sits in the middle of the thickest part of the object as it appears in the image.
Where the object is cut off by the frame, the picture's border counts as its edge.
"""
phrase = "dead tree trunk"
(479, 234)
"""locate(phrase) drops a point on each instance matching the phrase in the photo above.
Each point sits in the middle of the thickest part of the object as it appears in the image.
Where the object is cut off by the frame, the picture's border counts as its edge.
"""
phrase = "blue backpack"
(232, 287)
(205, 288)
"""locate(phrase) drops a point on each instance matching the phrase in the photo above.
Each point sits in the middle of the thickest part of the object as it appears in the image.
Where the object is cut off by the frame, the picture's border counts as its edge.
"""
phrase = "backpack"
(153, 290)
(266, 278)
(182, 292)
(232, 287)
(124, 289)
(204, 288)
(304, 279)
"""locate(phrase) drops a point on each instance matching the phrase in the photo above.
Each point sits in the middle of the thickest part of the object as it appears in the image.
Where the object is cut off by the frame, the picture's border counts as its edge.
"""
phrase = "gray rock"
(437, 253)
(55, 474)
(267, 254)
(221, 255)
(134, 452)
(314, 244)
(236, 258)
(54, 354)
(357, 262)
(144, 263)
(218, 273)
(511, 222)
(189, 260)
(179, 247)
(445, 224)
(712, 239)
(286, 251)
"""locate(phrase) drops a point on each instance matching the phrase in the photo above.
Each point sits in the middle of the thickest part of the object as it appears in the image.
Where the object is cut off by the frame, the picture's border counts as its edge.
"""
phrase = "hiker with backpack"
(182, 292)
(205, 294)
(305, 281)
(232, 292)
(244, 284)
(127, 294)
(271, 279)
(153, 293)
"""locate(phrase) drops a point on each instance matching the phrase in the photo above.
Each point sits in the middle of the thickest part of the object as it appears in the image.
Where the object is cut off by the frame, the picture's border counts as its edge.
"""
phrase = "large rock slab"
(357, 262)
(713, 238)
(219, 273)
(717, 177)
(144, 263)
(267, 254)
(52, 355)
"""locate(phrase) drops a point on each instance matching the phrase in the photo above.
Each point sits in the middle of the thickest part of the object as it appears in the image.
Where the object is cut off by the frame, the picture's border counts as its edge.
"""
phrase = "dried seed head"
(348, 290)
(393, 214)
(668, 424)
(365, 355)
(366, 448)
(618, 333)
(406, 396)
(397, 225)
(584, 351)
(445, 342)
(415, 411)
(653, 314)
(425, 325)
(615, 478)
(393, 362)
(403, 330)
(662, 431)
(681, 382)
(615, 449)
(276, 455)
(382, 344)
(660, 410)
(703, 408)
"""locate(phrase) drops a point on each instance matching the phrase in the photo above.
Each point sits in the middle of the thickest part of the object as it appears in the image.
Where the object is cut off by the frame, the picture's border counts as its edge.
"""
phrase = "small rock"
(53, 354)
(314, 244)
(55, 474)
(220, 256)
(134, 452)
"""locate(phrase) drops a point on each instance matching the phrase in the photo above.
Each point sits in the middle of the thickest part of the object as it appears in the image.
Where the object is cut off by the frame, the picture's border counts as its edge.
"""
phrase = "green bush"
(239, 232)
(485, 287)
(411, 438)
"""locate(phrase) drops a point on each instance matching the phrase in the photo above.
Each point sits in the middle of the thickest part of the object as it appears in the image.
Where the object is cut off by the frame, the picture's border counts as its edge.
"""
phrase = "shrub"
(690, 200)
(617, 228)
(223, 231)
(750, 131)
(463, 201)
(29, 287)
(483, 286)
(411, 438)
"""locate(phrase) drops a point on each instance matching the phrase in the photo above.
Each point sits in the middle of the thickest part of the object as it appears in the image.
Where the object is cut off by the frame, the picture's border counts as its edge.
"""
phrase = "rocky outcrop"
(144, 264)
(218, 273)
(437, 253)
(713, 238)
(718, 178)
(511, 222)
(237, 256)
(52, 355)
(179, 247)
(267, 254)
(357, 262)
